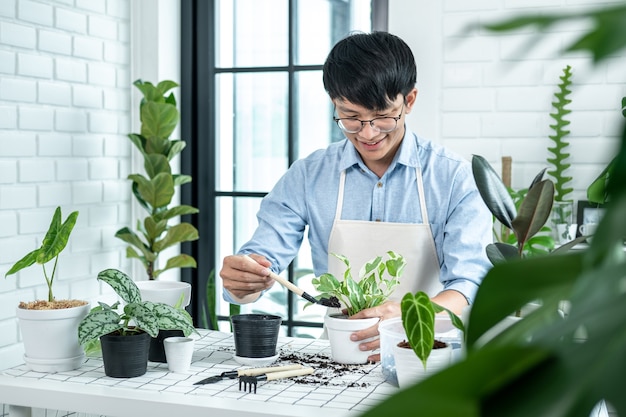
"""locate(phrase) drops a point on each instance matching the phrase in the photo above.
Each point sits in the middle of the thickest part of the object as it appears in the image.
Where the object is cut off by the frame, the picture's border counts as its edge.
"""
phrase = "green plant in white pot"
(48, 327)
(133, 327)
(370, 289)
(422, 353)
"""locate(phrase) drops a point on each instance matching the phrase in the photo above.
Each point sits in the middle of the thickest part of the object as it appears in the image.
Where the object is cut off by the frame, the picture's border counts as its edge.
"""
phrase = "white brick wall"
(489, 94)
(65, 93)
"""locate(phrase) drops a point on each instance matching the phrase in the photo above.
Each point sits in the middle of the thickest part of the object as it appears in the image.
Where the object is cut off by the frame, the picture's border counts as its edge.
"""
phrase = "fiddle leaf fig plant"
(136, 316)
(534, 209)
(159, 118)
(54, 242)
(418, 320)
(371, 289)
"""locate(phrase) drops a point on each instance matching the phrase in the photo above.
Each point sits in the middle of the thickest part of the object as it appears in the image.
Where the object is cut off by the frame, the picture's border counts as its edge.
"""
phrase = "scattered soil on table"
(326, 373)
(51, 305)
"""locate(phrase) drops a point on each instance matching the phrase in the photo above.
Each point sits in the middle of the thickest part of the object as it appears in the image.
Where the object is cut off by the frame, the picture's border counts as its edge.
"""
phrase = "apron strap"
(420, 192)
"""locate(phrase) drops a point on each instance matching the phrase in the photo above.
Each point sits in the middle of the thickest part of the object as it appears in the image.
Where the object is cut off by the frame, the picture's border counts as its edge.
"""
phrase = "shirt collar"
(407, 153)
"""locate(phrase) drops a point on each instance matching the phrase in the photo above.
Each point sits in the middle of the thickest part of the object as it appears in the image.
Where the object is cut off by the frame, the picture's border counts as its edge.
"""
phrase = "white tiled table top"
(349, 392)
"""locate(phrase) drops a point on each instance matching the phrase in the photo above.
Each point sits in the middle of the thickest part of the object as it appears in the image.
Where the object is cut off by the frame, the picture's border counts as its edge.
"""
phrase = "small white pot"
(342, 349)
(167, 292)
(410, 369)
(51, 338)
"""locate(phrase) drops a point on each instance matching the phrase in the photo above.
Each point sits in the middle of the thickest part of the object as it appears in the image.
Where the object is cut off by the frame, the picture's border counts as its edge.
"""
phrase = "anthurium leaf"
(26, 261)
(143, 317)
(57, 236)
(534, 211)
(158, 119)
(418, 320)
(98, 323)
(493, 192)
(182, 232)
(121, 284)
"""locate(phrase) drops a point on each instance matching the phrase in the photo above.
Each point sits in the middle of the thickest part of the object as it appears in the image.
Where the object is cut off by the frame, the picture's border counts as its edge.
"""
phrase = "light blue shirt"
(307, 196)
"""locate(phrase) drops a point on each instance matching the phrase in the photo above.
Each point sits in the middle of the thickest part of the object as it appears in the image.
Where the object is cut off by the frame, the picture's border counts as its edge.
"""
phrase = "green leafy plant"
(418, 320)
(159, 117)
(136, 316)
(370, 290)
(525, 222)
(54, 242)
(209, 318)
(546, 364)
(559, 157)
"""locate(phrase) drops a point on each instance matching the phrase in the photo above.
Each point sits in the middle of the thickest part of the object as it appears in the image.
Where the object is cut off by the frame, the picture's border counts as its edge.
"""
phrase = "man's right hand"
(245, 276)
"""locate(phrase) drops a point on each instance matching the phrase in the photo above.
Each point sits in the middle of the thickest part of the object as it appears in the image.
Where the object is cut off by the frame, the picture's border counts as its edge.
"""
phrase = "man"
(383, 188)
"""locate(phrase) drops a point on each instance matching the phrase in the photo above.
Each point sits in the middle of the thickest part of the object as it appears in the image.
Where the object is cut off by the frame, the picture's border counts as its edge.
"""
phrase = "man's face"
(376, 148)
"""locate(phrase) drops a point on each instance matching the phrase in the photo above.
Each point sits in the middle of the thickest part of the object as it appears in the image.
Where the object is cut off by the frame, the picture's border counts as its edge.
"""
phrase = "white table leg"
(19, 411)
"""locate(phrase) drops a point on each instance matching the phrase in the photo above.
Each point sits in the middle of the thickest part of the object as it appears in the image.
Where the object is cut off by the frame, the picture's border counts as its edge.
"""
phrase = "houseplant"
(125, 337)
(563, 208)
(48, 327)
(372, 288)
(422, 353)
(154, 193)
(552, 373)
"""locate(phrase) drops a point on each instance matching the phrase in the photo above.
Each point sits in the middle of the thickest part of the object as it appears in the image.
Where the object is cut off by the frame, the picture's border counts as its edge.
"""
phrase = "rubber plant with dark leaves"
(159, 118)
(136, 316)
(546, 364)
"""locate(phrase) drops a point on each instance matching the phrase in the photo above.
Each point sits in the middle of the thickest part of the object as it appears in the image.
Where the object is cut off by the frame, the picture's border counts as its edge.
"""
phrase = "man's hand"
(384, 311)
(245, 276)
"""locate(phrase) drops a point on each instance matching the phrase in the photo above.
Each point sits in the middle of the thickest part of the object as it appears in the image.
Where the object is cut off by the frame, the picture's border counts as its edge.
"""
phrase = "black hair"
(370, 69)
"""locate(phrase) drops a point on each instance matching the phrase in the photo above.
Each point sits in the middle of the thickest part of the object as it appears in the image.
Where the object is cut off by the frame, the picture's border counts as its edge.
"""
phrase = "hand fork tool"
(250, 381)
(250, 371)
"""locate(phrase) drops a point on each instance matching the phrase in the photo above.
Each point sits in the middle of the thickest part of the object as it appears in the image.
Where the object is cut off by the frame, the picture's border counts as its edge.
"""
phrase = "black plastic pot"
(125, 356)
(157, 351)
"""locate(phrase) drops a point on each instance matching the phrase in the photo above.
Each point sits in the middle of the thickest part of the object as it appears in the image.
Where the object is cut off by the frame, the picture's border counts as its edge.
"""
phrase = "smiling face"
(377, 149)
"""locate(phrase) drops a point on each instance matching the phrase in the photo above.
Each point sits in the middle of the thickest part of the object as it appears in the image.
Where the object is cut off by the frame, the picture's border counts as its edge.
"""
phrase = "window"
(252, 103)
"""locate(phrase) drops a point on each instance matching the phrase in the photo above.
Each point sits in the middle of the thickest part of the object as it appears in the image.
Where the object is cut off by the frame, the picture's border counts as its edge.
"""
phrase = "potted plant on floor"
(125, 337)
(49, 326)
(372, 288)
(422, 353)
(154, 193)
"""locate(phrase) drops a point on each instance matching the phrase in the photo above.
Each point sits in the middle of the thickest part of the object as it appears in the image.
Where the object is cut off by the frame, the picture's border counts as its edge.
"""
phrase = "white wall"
(66, 105)
(489, 94)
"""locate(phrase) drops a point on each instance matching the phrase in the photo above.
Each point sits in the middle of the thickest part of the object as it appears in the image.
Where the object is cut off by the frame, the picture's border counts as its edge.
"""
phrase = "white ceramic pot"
(410, 369)
(51, 338)
(167, 292)
(342, 349)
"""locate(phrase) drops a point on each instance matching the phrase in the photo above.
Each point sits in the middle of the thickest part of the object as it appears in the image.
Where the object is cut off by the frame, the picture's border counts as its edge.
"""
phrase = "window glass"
(252, 33)
(251, 130)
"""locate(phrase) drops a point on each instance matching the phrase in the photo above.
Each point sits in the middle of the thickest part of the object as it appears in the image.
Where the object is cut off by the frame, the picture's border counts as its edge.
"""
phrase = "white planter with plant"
(422, 354)
(136, 319)
(371, 289)
(48, 327)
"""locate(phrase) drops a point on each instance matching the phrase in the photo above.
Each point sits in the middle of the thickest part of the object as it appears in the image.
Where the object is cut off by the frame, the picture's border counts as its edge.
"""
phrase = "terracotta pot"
(51, 338)
(339, 328)
(125, 356)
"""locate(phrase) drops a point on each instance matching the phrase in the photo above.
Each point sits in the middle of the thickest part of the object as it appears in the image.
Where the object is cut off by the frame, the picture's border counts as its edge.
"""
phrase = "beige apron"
(361, 241)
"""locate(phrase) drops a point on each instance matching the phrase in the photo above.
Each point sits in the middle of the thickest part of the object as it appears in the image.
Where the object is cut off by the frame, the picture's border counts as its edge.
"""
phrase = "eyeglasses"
(378, 124)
